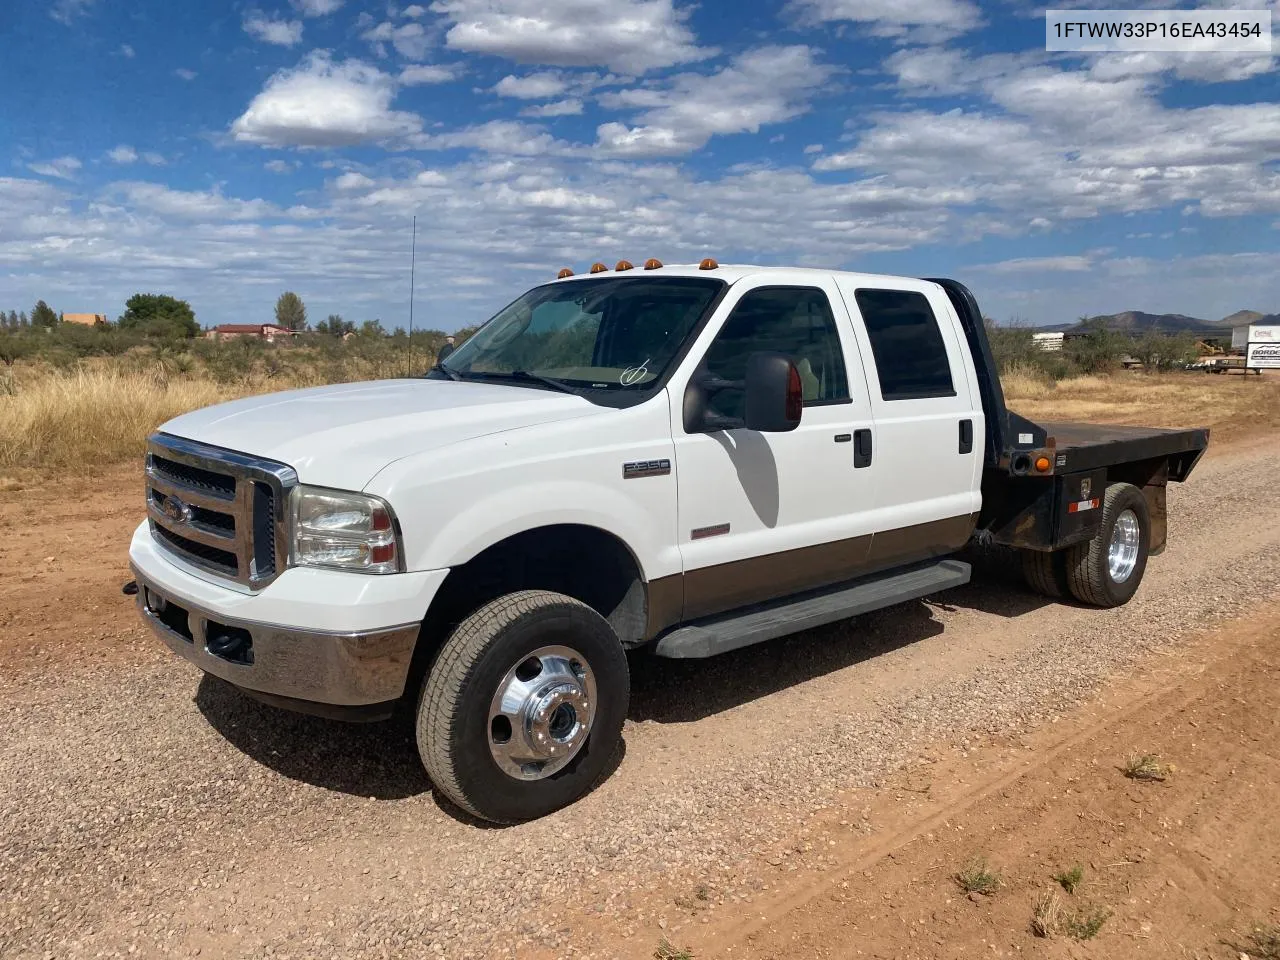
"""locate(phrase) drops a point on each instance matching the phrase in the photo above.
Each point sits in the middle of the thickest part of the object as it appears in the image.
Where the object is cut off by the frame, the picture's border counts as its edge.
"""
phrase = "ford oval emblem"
(176, 510)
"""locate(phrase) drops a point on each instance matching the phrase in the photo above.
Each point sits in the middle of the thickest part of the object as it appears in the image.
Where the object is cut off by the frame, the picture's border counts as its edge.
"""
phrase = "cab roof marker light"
(708, 264)
(566, 272)
(653, 263)
(623, 265)
(598, 268)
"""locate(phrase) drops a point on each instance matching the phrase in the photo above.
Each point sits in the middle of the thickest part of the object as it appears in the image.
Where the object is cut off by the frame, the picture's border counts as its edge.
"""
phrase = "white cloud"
(1200, 67)
(532, 86)
(414, 11)
(933, 19)
(425, 73)
(63, 168)
(154, 159)
(762, 86)
(64, 11)
(122, 154)
(409, 40)
(813, 148)
(1066, 264)
(351, 180)
(283, 33)
(191, 204)
(127, 51)
(631, 36)
(280, 166)
(325, 104)
(183, 73)
(571, 107)
(316, 8)
(502, 137)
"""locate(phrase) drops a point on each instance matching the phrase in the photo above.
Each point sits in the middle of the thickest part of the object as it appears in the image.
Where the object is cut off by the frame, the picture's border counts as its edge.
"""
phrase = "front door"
(763, 515)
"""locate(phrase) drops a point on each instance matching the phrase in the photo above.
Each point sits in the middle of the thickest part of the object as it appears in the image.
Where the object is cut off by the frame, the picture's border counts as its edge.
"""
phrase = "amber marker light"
(623, 265)
(1043, 464)
(566, 272)
(652, 263)
(708, 264)
(598, 268)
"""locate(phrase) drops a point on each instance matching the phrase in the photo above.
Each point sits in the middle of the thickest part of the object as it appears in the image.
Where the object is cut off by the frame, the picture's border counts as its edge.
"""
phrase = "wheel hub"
(1122, 551)
(541, 713)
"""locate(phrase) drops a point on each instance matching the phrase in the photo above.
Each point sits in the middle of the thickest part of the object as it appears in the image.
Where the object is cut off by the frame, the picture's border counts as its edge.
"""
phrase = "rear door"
(763, 515)
(928, 417)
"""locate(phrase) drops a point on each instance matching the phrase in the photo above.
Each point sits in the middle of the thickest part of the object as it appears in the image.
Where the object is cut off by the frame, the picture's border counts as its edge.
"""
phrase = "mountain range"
(1136, 321)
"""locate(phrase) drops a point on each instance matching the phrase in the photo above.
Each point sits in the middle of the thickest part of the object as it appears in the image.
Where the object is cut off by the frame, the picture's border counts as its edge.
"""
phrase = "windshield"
(619, 333)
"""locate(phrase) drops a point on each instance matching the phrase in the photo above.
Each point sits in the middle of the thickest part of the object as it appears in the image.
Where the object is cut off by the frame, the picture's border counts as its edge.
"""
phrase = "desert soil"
(808, 798)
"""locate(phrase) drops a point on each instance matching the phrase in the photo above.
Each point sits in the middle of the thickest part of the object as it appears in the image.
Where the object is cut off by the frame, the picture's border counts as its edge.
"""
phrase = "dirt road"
(148, 812)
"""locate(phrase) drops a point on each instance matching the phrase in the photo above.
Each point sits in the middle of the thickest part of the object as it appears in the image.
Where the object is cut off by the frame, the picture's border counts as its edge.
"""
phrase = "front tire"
(523, 708)
(1106, 571)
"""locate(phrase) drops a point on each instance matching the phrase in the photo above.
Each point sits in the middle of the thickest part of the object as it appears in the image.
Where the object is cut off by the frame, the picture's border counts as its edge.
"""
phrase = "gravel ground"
(147, 812)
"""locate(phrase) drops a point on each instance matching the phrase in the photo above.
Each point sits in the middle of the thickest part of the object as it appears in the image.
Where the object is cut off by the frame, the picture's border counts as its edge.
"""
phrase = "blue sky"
(225, 152)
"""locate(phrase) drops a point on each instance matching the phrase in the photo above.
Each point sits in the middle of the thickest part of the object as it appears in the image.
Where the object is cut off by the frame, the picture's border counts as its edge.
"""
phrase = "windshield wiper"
(525, 376)
(440, 368)
(551, 382)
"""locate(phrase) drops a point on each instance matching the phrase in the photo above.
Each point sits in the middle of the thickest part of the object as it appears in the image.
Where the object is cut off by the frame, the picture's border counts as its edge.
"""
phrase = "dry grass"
(92, 417)
(978, 877)
(1158, 400)
(1146, 768)
(668, 951)
(1049, 917)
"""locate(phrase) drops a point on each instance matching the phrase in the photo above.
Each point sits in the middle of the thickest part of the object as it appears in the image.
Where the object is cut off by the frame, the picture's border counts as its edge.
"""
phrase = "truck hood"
(342, 435)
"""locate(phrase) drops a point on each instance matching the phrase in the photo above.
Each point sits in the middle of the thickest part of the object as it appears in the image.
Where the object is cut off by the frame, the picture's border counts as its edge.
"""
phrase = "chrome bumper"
(343, 669)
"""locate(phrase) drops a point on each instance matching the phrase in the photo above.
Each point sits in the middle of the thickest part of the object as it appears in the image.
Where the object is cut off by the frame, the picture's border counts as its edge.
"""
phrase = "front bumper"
(347, 663)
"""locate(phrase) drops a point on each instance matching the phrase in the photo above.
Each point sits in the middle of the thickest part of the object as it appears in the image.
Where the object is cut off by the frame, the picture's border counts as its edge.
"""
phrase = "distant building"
(269, 332)
(1049, 341)
(86, 319)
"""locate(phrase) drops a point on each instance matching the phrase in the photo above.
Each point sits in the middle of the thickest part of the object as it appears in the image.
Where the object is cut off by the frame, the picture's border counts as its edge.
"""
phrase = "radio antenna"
(413, 255)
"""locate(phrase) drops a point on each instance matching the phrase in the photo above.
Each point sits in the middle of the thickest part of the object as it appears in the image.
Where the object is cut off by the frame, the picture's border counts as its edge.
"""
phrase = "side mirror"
(775, 395)
(774, 398)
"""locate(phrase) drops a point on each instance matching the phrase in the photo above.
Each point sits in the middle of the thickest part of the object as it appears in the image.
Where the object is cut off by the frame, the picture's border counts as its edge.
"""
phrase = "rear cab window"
(910, 353)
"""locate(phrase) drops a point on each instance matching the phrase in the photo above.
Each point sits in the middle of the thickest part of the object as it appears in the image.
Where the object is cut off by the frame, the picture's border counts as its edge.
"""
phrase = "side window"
(794, 321)
(911, 357)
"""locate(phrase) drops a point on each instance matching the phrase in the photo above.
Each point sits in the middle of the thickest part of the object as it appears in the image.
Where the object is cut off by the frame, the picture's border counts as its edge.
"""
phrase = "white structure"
(1049, 341)
(1260, 343)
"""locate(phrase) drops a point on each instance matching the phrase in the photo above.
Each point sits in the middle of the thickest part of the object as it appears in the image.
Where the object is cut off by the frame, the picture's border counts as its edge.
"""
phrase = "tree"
(159, 315)
(335, 326)
(42, 315)
(13, 319)
(22, 320)
(291, 312)
(372, 328)
(13, 347)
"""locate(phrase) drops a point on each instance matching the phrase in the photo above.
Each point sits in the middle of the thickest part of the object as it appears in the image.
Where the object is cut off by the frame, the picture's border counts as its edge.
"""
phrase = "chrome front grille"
(219, 510)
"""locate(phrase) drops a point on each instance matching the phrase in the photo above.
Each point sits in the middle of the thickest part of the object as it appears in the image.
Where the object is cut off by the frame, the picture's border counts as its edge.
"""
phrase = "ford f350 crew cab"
(684, 458)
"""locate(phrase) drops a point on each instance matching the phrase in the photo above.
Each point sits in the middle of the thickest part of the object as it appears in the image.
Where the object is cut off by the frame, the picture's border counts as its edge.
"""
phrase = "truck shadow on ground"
(380, 760)
(680, 691)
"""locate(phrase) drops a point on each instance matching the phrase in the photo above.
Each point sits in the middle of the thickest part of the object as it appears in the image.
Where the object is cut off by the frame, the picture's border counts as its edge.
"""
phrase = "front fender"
(455, 502)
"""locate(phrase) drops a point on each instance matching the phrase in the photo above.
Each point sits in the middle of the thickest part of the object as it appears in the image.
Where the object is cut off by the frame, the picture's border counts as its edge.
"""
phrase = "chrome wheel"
(541, 713)
(1122, 551)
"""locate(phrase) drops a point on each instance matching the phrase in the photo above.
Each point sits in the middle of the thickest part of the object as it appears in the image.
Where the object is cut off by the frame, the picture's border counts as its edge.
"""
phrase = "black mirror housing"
(775, 395)
(773, 392)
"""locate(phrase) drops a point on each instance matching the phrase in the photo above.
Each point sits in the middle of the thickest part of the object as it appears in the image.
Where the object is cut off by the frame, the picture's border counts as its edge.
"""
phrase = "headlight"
(349, 531)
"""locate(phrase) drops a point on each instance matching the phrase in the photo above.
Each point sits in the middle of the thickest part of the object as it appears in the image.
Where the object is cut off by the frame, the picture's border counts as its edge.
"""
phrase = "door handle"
(862, 448)
(966, 436)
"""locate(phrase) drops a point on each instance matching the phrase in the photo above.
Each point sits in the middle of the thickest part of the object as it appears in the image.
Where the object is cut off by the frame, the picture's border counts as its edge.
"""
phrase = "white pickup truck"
(688, 459)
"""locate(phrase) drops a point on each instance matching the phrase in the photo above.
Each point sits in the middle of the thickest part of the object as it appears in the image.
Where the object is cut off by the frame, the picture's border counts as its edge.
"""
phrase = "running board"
(710, 637)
